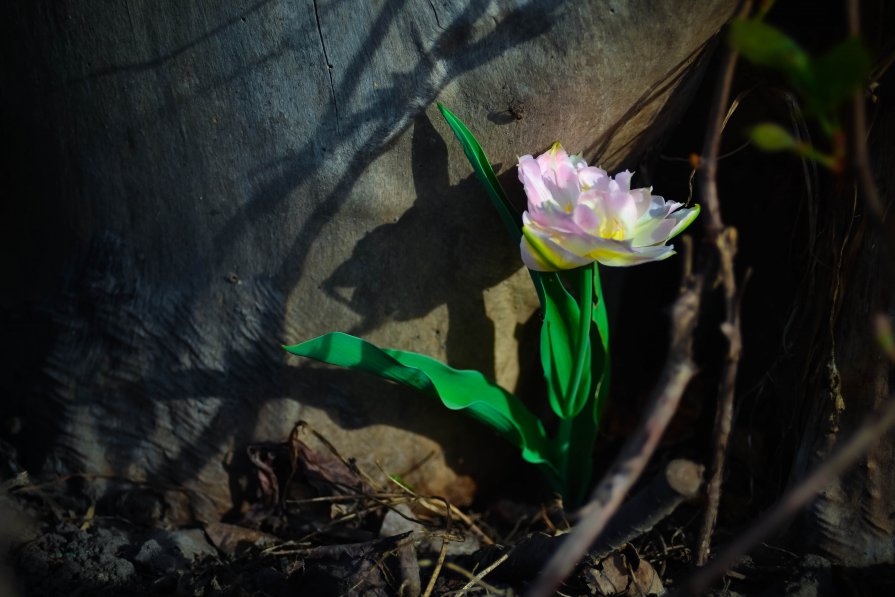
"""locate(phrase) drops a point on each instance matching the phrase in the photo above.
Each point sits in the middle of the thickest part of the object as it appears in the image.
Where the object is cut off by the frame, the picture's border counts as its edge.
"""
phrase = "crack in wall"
(329, 66)
(437, 21)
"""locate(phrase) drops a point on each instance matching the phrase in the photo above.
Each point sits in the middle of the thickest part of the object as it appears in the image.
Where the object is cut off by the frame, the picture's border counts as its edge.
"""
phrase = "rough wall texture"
(851, 521)
(207, 180)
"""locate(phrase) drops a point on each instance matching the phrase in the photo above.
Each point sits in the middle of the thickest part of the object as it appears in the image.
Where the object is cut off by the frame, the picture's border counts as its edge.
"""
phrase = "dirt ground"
(320, 526)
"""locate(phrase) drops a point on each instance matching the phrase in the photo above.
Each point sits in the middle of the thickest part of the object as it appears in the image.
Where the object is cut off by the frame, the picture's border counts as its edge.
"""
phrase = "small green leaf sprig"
(822, 83)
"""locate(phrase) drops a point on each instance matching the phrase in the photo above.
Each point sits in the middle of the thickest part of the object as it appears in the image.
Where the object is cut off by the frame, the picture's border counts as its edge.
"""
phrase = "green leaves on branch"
(838, 74)
(822, 83)
(768, 136)
(772, 137)
(767, 46)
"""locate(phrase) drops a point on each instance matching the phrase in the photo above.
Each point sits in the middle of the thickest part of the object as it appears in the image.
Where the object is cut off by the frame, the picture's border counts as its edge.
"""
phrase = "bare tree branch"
(796, 498)
(724, 240)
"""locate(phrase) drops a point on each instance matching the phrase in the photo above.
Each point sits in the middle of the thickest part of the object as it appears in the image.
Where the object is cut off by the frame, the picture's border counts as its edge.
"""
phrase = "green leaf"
(469, 391)
(601, 360)
(561, 318)
(838, 74)
(559, 309)
(585, 426)
(767, 46)
(771, 137)
(809, 152)
(485, 173)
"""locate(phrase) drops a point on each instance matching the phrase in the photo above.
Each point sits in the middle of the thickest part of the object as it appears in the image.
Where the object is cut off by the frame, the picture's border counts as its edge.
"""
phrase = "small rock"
(395, 524)
(155, 557)
(192, 544)
(815, 578)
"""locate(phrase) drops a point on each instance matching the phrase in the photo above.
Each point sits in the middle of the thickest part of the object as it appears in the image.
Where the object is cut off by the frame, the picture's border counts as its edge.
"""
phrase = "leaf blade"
(457, 389)
(485, 173)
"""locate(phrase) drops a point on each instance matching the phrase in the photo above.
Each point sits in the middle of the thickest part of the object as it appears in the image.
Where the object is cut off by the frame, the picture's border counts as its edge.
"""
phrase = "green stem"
(585, 304)
(564, 444)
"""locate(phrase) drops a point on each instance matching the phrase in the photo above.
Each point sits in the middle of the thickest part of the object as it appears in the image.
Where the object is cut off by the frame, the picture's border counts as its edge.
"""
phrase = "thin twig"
(796, 498)
(861, 161)
(477, 579)
(725, 241)
(451, 510)
(678, 371)
(431, 585)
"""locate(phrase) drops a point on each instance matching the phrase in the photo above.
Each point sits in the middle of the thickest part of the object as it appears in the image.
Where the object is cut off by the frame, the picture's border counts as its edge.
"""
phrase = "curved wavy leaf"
(465, 390)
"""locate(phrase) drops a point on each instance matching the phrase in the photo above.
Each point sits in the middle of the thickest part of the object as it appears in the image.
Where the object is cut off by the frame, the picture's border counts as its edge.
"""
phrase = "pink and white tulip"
(578, 214)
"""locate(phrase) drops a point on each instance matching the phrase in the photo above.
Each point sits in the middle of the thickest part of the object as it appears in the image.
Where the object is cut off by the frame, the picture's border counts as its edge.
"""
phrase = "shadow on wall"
(127, 346)
(446, 249)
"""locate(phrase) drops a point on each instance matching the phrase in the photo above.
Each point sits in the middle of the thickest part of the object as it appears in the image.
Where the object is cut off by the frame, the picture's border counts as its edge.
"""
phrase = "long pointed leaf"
(469, 391)
(558, 307)
(485, 173)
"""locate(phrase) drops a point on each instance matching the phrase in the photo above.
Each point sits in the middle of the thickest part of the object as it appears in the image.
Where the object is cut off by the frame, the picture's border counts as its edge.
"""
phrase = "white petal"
(624, 180)
(621, 207)
(591, 176)
(533, 181)
(586, 218)
(653, 232)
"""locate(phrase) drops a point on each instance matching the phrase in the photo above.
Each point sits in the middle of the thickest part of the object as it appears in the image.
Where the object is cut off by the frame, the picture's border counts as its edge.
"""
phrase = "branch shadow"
(390, 111)
(115, 314)
(448, 248)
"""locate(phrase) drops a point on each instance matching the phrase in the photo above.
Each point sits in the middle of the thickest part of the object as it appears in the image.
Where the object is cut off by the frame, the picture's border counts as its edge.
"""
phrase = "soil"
(322, 527)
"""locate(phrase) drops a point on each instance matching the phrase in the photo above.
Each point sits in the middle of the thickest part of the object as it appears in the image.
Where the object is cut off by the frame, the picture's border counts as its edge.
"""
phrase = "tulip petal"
(532, 181)
(542, 254)
(653, 232)
(684, 218)
(591, 176)
(578, 214)
(623, 179)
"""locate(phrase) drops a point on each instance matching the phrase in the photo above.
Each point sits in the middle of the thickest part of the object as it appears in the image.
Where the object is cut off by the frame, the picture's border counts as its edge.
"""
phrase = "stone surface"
(399, 520)
(201, 182)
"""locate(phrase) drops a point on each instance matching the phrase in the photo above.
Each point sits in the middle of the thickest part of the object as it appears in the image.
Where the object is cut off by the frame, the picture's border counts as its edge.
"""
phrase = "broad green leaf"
(838, 74)
(771, 137)
(469, 391)
(767, 46)
(561, 316)
(485, 173)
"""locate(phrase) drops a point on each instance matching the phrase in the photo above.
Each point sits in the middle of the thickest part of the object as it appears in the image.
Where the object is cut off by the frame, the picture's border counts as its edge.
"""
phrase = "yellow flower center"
(612, 229)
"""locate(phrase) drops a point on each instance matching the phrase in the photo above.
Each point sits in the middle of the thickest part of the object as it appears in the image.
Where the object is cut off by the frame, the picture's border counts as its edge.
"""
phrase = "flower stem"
(582, 341)
(564, 443)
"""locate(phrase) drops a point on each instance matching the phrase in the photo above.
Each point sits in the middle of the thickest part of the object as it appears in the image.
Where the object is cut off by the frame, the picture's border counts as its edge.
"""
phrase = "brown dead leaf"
(623, 574)
(230, 538)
